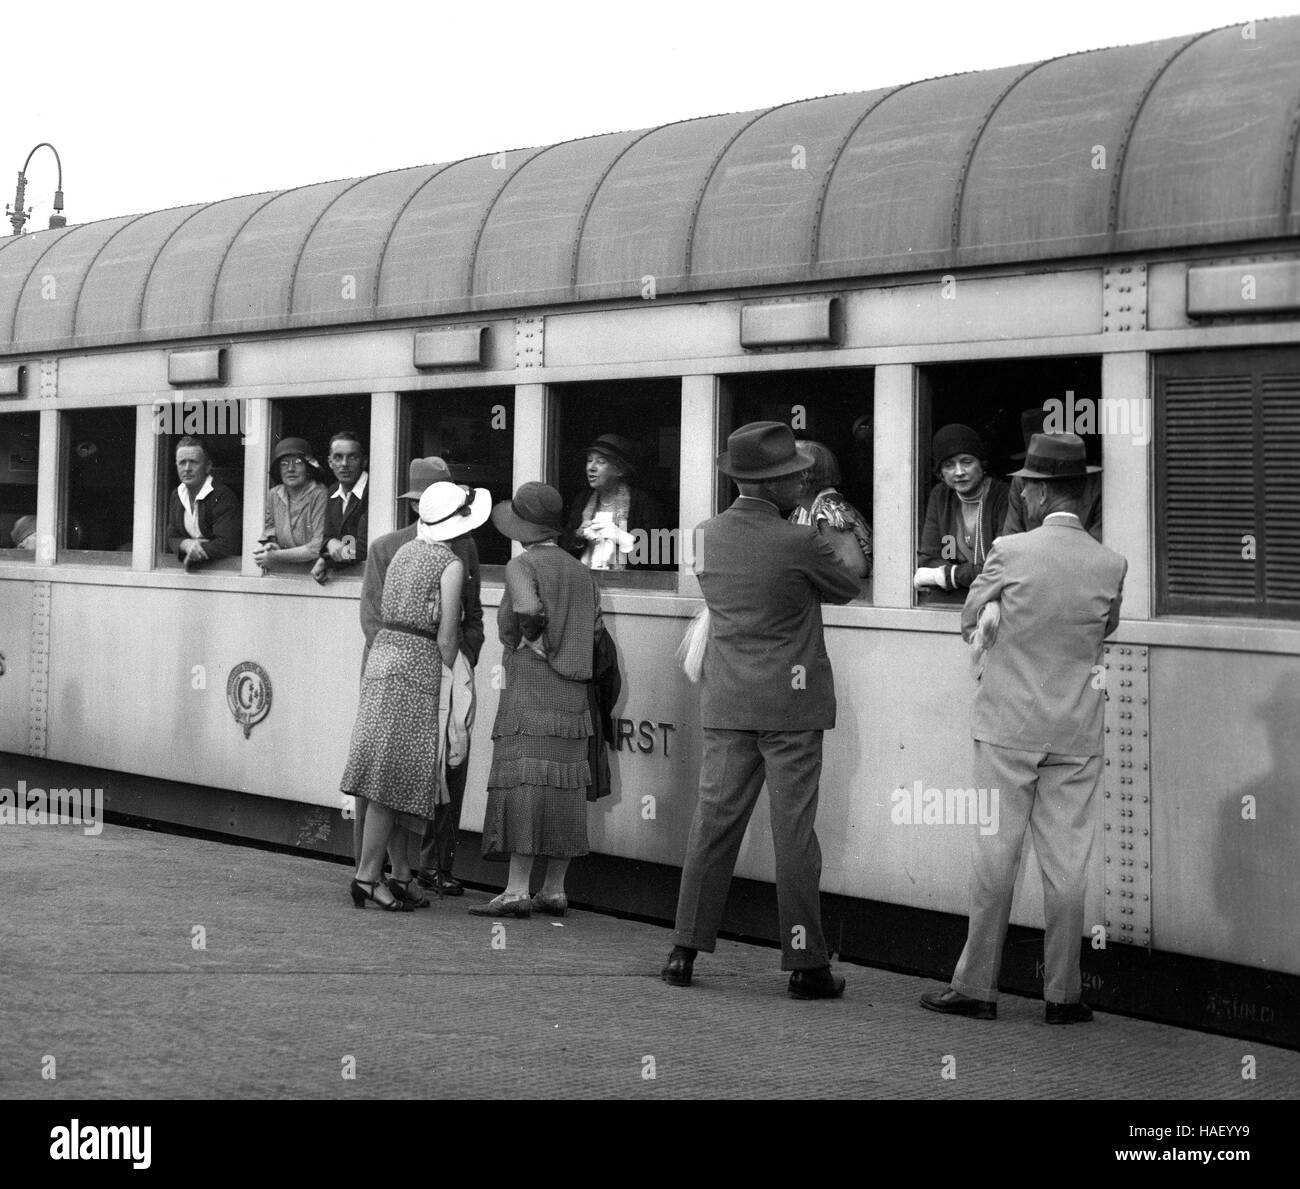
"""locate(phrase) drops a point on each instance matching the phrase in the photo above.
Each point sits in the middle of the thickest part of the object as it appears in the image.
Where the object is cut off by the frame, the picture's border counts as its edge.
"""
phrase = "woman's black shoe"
(360, 896)
(401, 889)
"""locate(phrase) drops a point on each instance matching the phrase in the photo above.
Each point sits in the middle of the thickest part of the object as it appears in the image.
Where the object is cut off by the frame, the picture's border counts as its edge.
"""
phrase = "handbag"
(690, 652)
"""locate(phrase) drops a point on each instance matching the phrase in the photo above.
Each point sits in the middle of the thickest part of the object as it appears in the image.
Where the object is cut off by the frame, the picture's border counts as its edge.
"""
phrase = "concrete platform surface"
(144, 965)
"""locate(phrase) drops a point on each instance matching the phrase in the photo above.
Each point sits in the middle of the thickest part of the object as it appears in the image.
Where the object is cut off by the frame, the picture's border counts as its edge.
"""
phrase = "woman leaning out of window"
(295, 509)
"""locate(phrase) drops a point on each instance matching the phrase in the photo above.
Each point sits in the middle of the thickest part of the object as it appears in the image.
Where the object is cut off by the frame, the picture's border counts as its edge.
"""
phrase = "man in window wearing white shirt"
(204, 521)
(346, 511)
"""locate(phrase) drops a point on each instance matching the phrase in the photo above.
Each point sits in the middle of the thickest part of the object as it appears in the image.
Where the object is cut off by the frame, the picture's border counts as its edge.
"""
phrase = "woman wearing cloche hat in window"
(295, 509)
(964, 513)
(396, 757)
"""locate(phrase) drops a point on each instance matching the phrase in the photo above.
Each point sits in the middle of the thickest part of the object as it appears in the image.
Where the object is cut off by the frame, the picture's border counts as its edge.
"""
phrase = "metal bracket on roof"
(1126, 804)
(1124, 298)
(530, 342)
(49, 387)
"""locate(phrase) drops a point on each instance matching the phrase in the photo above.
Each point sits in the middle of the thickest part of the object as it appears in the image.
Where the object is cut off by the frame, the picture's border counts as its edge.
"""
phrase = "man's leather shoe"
(817, 983)
(442, 883)
(953, 1003)
(1068, 1013)
(680, 967)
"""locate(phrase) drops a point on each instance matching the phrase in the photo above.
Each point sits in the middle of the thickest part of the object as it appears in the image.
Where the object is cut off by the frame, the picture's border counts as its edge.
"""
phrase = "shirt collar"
(759, 500)
(358, 488)
(205, 490)
(1071, 520)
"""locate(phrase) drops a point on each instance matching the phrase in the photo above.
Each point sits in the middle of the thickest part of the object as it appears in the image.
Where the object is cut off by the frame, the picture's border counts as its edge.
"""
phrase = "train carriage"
(1113, 236)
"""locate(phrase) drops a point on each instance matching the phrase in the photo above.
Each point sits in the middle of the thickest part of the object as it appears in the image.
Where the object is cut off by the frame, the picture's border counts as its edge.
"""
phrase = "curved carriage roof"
(1179, 142)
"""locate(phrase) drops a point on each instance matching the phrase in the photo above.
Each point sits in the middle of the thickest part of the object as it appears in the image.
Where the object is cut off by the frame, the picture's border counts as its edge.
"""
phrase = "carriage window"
(202, 449)
(617, 463)
(19, 457)
(833, 410)
(302, 519)
(991, 409)
(96, 518)
(472, 431)
(1227, 504)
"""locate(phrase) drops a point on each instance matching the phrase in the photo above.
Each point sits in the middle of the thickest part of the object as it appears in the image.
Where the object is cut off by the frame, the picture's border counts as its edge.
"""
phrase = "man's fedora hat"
(622, 452)
(535, 514)
(1031, 422)
(763, 450)
(449, 510)
(1056, 456)
(424, 472)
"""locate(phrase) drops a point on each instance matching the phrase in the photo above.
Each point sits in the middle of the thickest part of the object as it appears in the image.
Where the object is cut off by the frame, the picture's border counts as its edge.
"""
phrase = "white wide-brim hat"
(450, 510)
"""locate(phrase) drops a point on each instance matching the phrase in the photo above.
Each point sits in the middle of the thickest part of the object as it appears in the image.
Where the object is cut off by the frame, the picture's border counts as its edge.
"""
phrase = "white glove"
(930, 576)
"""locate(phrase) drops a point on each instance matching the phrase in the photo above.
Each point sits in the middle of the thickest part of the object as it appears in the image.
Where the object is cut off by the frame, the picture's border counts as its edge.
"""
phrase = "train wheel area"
(262, 981)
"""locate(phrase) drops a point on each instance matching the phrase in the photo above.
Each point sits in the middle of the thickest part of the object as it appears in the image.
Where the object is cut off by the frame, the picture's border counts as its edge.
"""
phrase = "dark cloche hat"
(621, 451)
(1056, 456)
(536, 513)
(957, 439)
(293, 447)
(763, 450)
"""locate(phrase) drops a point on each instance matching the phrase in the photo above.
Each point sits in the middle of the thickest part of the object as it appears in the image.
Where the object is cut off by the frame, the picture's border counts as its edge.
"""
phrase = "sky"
(153, 105)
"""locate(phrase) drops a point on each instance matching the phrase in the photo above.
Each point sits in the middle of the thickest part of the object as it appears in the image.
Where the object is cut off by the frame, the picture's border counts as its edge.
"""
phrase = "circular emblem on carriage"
(248, 691)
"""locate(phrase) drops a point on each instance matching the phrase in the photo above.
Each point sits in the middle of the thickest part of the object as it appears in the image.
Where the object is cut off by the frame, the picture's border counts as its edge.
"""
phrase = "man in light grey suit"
(1037, 726)
(766, 697)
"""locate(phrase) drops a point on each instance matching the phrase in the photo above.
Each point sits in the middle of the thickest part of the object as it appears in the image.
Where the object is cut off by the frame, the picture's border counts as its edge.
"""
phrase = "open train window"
(617, 463)
(20, 439)
(833, 408)
(205, 439)
(315, 419)
(97, 513)
(998, 404)
(472, 431)
(1227, 500)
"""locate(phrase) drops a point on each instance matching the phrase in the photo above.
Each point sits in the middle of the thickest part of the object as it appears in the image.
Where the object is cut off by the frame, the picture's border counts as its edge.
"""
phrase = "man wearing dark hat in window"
(1031, 422)
(767, 694)
(438, 849)
(1037, 726)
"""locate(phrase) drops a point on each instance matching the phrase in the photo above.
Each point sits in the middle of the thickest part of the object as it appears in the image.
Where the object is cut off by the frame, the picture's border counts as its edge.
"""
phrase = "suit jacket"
(381, 554)
(1039, 685)
(339, 526)
(221, 523)
(1089, 511)
(764, 580)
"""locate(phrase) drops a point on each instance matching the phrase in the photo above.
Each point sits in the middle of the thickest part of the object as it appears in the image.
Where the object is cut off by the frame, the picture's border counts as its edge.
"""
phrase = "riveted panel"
(39, 670)
(530, 341)
(49, 387)
(1124, 298)
(1126, 803)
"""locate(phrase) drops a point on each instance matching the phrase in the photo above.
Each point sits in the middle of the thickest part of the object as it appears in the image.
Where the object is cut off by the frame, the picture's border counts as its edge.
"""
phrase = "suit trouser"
(1051, 795)
(438, 851)
(732, 771)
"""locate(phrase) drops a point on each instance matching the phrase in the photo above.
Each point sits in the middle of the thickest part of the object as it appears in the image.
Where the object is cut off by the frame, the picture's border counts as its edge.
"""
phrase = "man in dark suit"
(1037, 726)
(347, 510)
(767, 695)
(204, 519)
(438, 847)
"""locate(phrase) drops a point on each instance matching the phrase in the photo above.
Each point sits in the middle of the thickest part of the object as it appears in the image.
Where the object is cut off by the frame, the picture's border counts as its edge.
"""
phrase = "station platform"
(155, 966)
